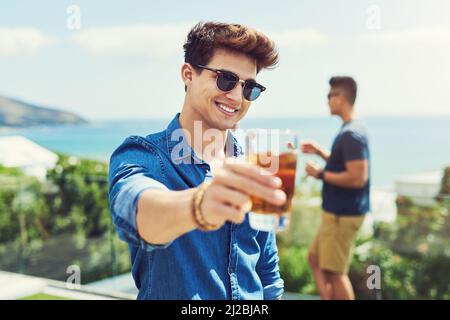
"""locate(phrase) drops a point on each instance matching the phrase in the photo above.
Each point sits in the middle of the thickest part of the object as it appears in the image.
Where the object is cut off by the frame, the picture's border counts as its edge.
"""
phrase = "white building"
(22, 153)
(422, 188)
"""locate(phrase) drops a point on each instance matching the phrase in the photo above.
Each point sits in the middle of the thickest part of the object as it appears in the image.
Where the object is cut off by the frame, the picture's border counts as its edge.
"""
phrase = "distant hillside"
(16, 113)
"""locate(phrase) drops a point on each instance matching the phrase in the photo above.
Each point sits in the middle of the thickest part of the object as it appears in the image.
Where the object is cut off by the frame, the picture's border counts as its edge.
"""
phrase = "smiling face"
(218, 109)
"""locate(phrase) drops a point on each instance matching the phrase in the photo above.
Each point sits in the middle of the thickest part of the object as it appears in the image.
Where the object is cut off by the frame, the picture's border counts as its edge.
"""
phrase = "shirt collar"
(179, 138)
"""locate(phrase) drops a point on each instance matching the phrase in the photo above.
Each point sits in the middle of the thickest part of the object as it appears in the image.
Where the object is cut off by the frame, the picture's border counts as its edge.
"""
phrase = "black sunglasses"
(227, 81)
(333, 94)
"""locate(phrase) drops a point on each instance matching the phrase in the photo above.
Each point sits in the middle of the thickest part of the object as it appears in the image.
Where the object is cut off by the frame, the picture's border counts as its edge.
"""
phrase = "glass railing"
(60, 228)
(405, 256)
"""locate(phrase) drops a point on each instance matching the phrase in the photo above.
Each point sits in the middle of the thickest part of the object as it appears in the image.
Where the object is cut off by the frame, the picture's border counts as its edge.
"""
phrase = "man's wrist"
(319, 152)
(197, 212)
(321, 175)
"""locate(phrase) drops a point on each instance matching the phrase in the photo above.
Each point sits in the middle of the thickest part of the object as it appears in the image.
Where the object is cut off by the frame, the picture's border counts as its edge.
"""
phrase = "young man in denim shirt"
(179, 198)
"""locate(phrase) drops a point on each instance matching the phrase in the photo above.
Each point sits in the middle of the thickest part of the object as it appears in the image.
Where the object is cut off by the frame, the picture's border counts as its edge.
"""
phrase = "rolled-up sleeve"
(267, 266)
(134, 168)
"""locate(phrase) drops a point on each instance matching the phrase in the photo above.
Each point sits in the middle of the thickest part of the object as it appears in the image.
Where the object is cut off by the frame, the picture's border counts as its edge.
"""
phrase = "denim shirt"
(234, 262)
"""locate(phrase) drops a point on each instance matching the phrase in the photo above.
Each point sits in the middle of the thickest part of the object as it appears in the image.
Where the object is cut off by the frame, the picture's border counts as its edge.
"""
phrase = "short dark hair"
(205, 37)
(347, 85)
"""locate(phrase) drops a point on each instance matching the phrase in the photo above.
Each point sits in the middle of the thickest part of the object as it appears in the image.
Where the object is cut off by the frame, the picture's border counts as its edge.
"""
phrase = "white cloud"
(14, 41)
(413, 36)
(136, 41)
(144, 41)
(296, 39)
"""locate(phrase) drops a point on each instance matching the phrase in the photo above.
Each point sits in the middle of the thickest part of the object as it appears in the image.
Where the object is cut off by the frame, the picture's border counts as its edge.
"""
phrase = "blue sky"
(124, 60)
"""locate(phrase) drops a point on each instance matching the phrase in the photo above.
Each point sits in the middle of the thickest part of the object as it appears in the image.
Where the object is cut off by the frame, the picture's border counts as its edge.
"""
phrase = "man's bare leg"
(320, 277)
(341, 287)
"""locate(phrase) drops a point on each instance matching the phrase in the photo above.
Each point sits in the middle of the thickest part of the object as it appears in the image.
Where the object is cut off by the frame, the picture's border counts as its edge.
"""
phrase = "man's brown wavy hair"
(205, 37)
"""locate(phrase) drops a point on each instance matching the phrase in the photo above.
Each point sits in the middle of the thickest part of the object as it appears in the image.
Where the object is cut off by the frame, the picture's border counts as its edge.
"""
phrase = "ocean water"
(398, 145)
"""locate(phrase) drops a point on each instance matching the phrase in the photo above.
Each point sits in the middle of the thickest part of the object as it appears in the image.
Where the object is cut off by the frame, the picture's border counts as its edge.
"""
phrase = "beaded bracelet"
(197, 199)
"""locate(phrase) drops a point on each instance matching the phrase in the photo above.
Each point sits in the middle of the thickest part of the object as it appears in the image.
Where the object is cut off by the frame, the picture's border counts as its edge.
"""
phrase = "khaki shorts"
(334, 241)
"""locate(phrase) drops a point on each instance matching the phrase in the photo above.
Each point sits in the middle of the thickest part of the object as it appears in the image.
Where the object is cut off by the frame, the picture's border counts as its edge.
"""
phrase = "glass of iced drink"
(276, 152)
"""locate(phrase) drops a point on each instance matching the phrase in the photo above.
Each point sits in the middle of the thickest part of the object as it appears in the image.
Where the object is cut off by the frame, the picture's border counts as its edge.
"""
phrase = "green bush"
(47, 226)
(295, 271)
(413, 253)
(402, 277)
(15, 172)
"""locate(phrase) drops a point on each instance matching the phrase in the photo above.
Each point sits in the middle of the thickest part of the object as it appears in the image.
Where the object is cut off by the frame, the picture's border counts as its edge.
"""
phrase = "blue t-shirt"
(350, 144)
